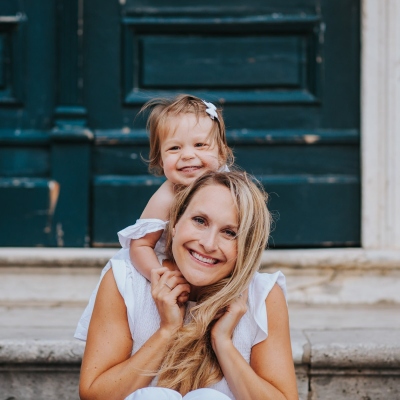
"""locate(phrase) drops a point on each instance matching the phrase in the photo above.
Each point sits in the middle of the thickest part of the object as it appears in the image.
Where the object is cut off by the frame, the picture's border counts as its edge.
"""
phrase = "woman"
(231, 335)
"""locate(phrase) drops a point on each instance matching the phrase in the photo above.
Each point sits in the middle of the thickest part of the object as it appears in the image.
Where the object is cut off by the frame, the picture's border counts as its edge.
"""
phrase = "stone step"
(326, 276)
(339, 364)
(344, 310)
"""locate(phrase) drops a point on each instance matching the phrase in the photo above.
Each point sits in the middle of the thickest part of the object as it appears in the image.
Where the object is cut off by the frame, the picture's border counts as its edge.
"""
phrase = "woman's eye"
(199, 220)
(231, 234)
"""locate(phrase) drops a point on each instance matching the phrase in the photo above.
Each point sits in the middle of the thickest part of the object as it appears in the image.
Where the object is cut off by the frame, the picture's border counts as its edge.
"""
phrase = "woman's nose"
(209, 241)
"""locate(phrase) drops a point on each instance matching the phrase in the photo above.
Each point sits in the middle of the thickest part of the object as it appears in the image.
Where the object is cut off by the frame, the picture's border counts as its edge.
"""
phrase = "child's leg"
(154, 393)
(206, 394)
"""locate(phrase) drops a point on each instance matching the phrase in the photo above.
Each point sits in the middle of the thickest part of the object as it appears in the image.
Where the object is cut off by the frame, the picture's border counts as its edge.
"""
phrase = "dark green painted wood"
(18, 137)
(312, 212)
(24, 161)
(118, 202)
(71, 160)
(102, 75)
(229, 97)
(309, 137)
(204, 52)
(12, 35)
(221, 7)
(53, 162)
(250, 62)
(71, 139)
(31, 29)
(70, 29)
(72, 80)
(297, 127)
(305, 209)
(3, 55)
(26, 216)
(273, 159)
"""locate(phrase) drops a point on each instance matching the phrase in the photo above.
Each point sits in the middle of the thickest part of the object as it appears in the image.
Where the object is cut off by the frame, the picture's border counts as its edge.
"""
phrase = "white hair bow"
(211, 109)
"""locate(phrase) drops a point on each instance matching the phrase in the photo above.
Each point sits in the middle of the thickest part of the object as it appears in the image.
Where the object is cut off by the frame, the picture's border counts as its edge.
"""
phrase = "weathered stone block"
(38, 383)
(356, 386)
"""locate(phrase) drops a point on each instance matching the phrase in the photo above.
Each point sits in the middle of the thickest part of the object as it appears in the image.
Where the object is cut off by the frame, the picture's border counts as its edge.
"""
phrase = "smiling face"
(188, 152)
(204, 238)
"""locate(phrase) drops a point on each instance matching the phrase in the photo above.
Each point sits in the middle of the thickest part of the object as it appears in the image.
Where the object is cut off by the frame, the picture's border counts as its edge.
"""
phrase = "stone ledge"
(54, 257)
(342, 258)
(355, 348)
(338, 259)
(342, 349)
(41, 351)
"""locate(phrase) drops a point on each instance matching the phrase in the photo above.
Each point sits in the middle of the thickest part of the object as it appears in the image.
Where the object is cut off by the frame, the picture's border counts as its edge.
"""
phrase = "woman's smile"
(203, 259)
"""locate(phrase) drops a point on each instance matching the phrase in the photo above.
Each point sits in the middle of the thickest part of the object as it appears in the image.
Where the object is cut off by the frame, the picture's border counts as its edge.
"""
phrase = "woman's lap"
(157, 393)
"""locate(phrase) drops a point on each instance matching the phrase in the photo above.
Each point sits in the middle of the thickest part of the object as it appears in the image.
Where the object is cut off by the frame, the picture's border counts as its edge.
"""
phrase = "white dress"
(142, 314)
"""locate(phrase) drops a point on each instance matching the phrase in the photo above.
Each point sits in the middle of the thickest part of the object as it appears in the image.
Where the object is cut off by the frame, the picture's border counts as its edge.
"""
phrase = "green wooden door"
(285, 71)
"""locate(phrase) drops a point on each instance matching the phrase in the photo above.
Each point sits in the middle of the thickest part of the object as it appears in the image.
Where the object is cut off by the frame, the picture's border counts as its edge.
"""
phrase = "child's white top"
(142, 314)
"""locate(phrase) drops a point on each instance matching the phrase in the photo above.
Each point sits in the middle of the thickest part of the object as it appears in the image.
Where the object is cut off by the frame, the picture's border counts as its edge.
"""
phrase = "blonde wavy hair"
(158, 126)
(190, 362)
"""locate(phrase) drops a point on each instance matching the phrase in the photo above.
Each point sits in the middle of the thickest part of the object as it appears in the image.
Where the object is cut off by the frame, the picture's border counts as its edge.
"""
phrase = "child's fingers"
(156, 274)
(183, 297)
(179, 290)
(164, 281)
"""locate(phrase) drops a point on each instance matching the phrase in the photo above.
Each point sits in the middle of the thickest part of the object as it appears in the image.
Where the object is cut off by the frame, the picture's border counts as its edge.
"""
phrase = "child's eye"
(199, 220)
(173, 148)
(200, 145)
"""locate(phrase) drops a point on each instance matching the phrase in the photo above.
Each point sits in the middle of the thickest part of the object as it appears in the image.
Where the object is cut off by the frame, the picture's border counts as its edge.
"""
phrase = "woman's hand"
(166, 287)
(183, 298)
(222, 330)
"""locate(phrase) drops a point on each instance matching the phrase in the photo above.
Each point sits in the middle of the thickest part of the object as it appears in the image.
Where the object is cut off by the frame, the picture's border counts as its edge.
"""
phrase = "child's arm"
(141, 250)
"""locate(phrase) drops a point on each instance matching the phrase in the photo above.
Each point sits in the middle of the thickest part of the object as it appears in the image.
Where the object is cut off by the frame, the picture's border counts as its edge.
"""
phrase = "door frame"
(380, 124)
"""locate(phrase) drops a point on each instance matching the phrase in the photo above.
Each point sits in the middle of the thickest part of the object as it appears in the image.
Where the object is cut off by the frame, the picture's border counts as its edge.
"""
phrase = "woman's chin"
(197, 278)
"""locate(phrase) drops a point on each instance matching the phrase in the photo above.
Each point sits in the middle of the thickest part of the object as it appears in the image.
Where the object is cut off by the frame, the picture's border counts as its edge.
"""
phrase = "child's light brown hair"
(157, 125)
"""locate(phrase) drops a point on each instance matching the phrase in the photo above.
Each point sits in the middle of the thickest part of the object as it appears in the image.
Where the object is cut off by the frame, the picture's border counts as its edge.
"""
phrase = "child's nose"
(187, 154)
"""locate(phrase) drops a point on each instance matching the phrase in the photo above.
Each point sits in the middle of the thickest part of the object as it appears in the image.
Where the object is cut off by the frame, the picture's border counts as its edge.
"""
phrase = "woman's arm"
(108, 369)
(270, 374)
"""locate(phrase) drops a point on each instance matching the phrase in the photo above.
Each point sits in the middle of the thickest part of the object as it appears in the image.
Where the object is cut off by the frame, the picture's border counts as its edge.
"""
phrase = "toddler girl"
(187, 139)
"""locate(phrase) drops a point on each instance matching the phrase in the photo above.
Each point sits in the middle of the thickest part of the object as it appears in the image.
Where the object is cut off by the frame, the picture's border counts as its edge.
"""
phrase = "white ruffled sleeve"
(140, 229)
(224, 168)
(259, 289)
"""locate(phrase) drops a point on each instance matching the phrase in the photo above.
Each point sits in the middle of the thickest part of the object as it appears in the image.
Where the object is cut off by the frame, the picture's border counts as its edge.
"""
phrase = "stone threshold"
(339, 258)
(342, 348)
(355, 363)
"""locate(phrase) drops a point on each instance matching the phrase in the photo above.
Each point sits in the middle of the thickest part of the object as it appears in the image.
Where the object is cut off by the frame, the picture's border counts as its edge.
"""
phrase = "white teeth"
(203, 259)
(189, 168)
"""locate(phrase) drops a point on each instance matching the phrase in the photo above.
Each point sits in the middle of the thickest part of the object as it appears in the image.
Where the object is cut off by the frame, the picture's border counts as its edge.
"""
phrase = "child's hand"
(170, 265)
(183, 297)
